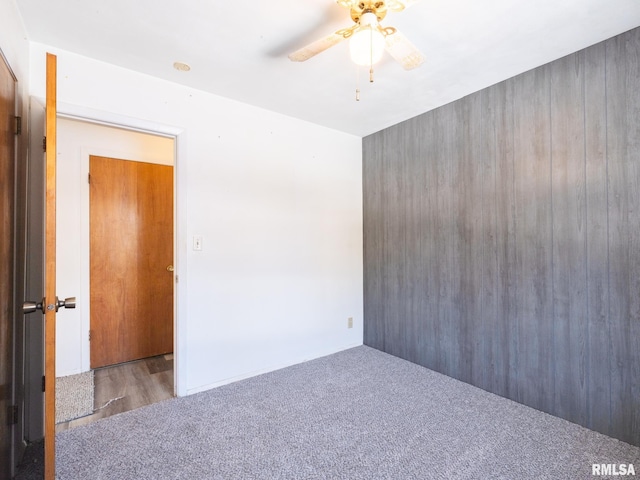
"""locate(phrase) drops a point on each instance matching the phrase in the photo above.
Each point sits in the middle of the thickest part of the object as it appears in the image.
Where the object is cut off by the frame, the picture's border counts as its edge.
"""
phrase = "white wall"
(15, 47)
(76, 141)
(278, 202)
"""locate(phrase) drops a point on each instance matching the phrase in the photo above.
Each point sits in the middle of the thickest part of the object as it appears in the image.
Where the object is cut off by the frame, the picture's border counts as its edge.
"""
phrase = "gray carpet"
(74, 396)
(358, 414)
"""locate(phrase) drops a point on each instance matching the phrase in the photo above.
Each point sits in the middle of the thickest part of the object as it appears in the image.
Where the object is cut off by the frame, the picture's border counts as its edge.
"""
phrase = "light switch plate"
(197, 242)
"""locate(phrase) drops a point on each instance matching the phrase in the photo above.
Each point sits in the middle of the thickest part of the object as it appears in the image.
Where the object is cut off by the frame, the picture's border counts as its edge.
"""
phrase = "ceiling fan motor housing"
(378, 7)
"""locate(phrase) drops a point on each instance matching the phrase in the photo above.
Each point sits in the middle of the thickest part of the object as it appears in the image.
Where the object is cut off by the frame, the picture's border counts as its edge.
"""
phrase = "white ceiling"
(238, 48)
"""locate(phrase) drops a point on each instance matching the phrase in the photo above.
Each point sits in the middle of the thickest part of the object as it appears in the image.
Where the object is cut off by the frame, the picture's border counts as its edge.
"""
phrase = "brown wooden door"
(7, 231)
(131, 258)
(50, 271)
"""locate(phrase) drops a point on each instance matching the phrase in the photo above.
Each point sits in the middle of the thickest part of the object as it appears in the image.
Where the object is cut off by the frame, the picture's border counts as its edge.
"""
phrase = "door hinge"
(88, 178)
(12, 414)
(44, 144)
(43, 383)
(89, 335)
(18, 129)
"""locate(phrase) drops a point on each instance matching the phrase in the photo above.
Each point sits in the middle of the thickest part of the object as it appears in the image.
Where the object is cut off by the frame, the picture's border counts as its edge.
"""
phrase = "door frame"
(14, 395)
(179, 136)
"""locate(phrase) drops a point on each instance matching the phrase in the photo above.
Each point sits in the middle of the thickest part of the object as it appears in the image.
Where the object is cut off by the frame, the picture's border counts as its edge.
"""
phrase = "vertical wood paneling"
(569, 240)
(459, 354)
(373, 218)
(394, 243)
(415, 180)
(506, 350)
(448, 313)
(401, 302)
(633, 152)
(502, 238)
(534, 237)
(490, 371)
(623, 147)
(473, 337)
(597, 301)
(426, 184)
(432, 235)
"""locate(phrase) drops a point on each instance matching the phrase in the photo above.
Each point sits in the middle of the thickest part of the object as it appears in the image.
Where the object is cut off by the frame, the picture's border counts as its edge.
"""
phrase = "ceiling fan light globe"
(367, 46)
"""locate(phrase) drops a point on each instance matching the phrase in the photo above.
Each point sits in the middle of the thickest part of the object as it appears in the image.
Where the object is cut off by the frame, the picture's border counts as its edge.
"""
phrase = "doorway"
(76, 217)
(78, 140)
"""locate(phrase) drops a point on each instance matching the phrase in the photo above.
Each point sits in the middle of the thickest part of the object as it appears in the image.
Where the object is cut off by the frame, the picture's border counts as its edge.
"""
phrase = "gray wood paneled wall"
(502, 238)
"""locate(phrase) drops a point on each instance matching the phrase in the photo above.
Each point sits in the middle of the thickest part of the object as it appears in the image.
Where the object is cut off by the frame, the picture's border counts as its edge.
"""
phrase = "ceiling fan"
(369, 39)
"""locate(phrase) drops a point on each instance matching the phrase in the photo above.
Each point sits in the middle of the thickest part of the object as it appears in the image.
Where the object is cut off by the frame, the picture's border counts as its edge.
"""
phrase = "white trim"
(273, 368)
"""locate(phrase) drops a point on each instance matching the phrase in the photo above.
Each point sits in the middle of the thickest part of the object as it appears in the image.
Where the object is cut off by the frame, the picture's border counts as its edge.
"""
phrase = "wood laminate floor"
(127, 386)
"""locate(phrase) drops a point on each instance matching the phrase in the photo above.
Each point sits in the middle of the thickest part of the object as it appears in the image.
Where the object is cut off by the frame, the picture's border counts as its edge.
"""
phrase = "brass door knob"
(169, 268)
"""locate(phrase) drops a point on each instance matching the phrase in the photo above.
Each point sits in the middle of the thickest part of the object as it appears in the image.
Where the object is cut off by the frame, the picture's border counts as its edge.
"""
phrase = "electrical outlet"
(350, 322)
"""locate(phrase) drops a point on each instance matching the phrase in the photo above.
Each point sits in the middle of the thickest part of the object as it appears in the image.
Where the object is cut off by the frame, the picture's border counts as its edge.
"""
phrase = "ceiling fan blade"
(399, 5)
(403, 51)
(346, 3)
(319, 46)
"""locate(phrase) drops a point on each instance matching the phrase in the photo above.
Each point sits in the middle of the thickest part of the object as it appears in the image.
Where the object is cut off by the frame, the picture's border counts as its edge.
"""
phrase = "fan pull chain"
(357, 84)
